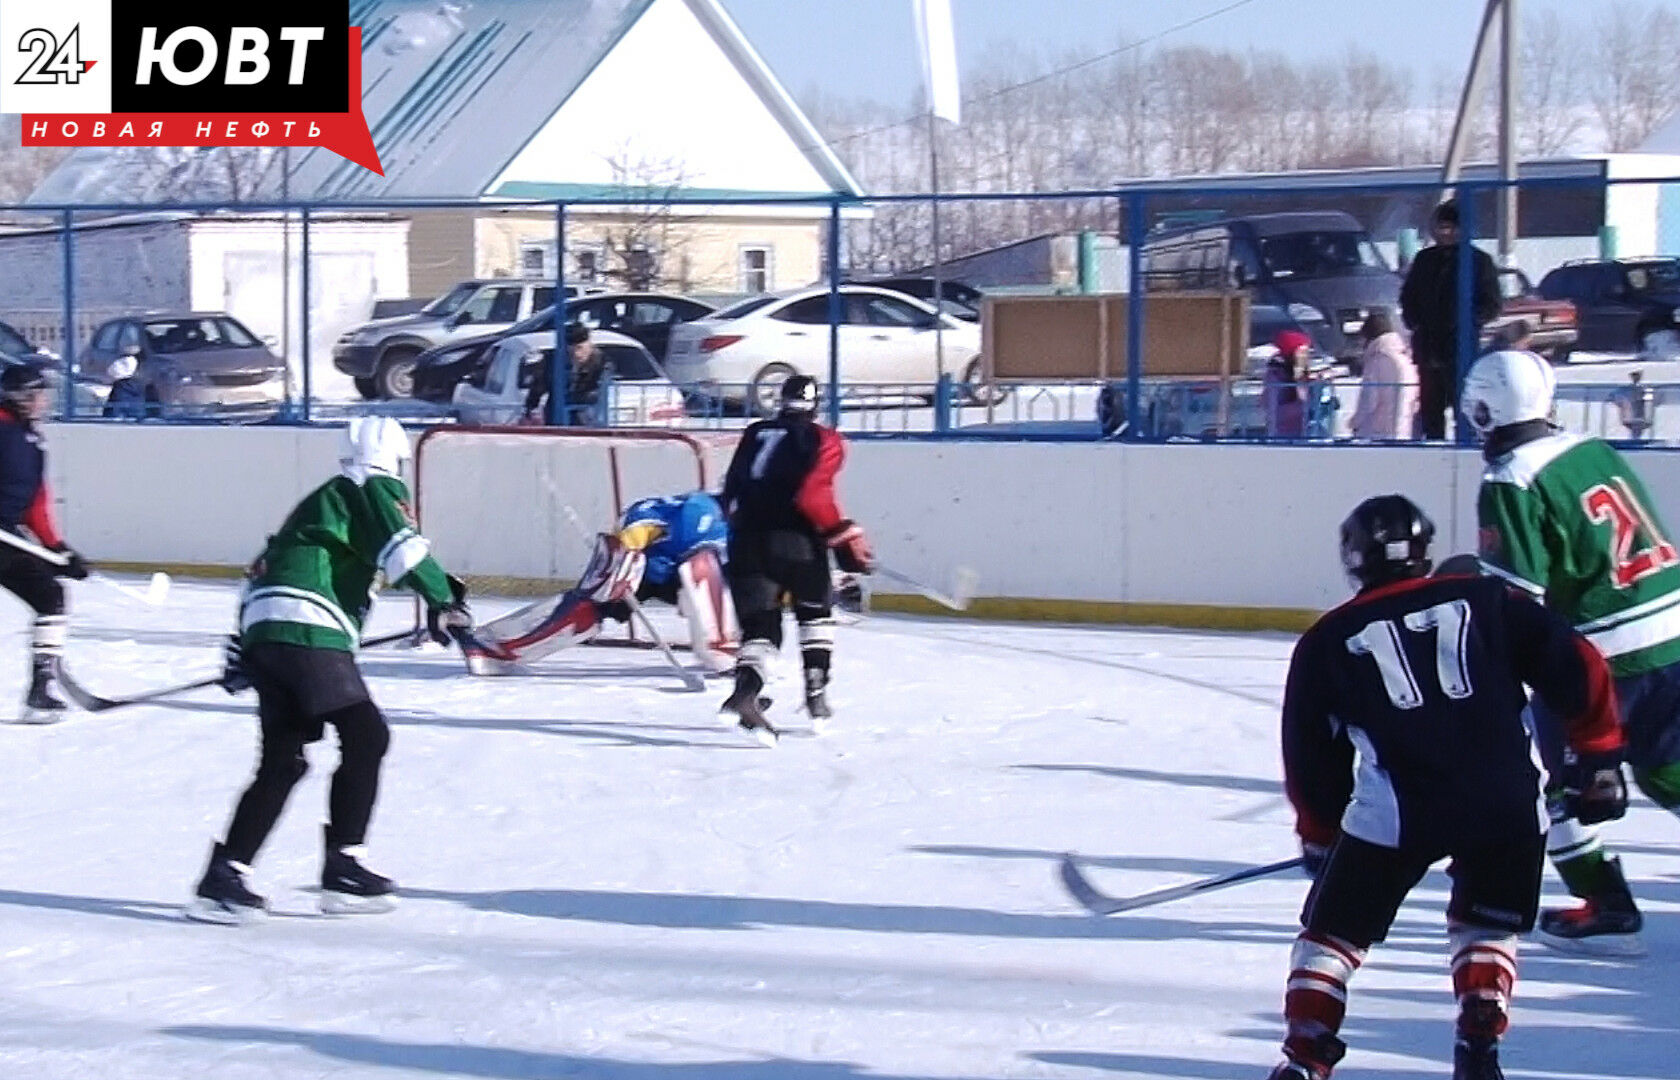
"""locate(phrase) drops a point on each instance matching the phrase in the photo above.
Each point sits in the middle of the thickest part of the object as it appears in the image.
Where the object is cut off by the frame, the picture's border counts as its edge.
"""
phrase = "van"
(1321, 267)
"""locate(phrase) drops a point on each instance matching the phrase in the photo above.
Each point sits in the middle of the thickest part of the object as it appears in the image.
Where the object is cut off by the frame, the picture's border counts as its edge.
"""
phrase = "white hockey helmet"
(373, 445)
(1507, 387)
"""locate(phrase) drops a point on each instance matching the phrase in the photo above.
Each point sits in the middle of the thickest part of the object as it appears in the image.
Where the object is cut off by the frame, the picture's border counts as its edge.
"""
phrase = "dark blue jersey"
(1403, 717)
(24, 498)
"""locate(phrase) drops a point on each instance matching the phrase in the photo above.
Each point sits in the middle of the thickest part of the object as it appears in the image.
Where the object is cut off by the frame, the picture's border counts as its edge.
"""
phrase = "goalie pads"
(501, 646)
(714, 635)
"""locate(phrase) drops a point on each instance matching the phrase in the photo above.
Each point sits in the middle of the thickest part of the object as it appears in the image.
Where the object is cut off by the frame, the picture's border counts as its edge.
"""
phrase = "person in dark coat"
(1429, 306)
(584, 388)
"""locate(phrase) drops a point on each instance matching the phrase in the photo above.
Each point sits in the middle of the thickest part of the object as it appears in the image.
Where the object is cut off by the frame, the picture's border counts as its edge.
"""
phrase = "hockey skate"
(744, 701)
(1476, 1059)
(41, 706)
(222, 895)
(1607, 924)
(816, 699)
(1309, 1057)
(349, 888)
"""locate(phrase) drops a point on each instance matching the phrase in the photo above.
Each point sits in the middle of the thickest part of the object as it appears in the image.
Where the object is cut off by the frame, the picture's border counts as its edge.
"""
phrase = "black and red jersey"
(24, 497)
(782, 477)
(1403, 716)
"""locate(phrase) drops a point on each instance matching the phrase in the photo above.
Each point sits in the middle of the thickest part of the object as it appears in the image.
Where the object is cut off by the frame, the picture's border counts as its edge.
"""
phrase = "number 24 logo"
(1616, 505)
(52, 63)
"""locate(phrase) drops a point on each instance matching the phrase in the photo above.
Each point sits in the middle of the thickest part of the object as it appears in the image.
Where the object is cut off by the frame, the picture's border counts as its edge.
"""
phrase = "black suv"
(1622, 305)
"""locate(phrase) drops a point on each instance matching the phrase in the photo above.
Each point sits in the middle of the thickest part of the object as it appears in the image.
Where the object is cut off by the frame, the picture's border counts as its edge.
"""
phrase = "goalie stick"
(962, 587)
(92, 702)
(1100, 903)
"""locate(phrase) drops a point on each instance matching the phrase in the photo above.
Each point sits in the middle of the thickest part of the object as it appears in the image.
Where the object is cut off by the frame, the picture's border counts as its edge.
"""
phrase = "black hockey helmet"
(19, 380)
(799, 395)
(1386, 538)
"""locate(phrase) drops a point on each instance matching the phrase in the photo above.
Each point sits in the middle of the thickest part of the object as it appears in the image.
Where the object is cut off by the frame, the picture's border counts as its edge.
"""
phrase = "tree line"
(1602, 79)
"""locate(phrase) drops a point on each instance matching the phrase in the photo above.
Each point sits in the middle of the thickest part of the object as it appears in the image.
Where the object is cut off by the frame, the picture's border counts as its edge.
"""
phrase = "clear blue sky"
(866, 48)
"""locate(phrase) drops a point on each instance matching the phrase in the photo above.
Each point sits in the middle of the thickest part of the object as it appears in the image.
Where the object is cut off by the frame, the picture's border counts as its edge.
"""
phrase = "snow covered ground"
(600, 880)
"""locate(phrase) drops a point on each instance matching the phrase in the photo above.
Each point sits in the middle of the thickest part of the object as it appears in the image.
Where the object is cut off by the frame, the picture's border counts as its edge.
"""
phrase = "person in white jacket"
(1388, 386)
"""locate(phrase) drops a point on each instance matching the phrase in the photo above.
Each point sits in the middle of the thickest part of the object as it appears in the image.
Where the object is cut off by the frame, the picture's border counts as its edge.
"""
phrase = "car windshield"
(542, 320)
(452, 301)
(1654, 277)
(12, 343)
(188, 335)
(1318, 254)
(745, 307)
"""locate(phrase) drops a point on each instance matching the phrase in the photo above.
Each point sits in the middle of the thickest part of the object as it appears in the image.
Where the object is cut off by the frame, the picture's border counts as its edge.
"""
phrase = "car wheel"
(395, 377)
(975, 391)
(1660, 344)
(366, 387)
(764, 393)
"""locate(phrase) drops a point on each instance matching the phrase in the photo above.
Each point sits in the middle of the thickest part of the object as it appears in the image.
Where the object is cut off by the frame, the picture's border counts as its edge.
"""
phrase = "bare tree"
(1635, 71)
(643, 239)
(1550, 116)
(23, 168)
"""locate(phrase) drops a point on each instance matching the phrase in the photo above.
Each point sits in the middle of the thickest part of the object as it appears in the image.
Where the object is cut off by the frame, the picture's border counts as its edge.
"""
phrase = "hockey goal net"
(498, 504)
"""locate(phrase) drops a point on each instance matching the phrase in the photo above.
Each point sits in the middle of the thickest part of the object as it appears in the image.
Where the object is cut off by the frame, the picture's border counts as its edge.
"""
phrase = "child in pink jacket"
(1388, 386)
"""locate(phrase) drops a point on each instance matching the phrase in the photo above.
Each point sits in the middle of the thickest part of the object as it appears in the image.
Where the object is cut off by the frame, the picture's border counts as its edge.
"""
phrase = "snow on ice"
(600, 879)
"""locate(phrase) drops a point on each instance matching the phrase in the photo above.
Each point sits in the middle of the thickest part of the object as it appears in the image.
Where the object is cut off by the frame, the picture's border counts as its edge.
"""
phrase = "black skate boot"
(1309, 1057)
(744, 700)
(816, 697)
(1476, 1053)
(349, 888)
(222, 895)
(41, 706)
(1607, 924)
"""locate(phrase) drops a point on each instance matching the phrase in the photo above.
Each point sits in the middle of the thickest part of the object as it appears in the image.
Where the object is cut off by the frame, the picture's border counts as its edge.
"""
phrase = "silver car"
(201, 362)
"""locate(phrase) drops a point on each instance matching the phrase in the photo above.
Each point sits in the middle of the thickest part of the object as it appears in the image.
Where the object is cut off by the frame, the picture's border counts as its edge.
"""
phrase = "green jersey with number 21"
(1568, 520)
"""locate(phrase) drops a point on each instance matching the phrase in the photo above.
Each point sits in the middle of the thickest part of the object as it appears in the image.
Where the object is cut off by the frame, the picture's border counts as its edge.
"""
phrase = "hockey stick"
(156, 592)
(1100, 903)
(962, 588)
(93, 702)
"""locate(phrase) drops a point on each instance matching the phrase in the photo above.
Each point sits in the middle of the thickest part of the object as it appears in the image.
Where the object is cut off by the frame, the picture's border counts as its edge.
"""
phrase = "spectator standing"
(1284, 390)
(126, 400)
(1388, 385)
(1429, 306)
(584, 387)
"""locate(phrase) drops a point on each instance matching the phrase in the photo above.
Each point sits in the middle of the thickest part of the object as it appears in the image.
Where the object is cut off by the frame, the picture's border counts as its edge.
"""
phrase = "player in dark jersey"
(1404, 742)
(783, 518)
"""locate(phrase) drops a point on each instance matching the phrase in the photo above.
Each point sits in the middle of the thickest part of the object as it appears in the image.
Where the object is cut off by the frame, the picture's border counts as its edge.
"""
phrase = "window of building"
(587, 266)
(757, 270)
(534, 259)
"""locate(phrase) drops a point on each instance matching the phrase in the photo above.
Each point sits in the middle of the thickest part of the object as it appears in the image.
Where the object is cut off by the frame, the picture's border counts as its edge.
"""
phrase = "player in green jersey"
(300, 621)
(1568, 520)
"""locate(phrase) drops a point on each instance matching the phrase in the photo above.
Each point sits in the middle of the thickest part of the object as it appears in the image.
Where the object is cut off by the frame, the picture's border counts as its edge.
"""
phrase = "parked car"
(961, 299)
(635, 391)
(646, 317)
(1552, 322)
(1321, 267)
(1621, 305)
(379, 355)
(743, 353)
(16, 349)
(189, 361)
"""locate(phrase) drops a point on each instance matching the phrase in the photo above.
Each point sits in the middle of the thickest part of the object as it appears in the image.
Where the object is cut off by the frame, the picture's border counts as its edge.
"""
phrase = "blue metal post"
(1465, 300)
(834, 314)
(68, 406)
(1136, 207)
(308, 385)
(560, 371)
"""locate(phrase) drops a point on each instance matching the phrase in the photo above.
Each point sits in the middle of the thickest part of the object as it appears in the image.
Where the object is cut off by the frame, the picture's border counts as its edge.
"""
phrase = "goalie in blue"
(669, 548)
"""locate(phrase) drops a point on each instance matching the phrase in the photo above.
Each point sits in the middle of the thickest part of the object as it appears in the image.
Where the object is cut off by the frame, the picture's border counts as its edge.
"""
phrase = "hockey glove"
(851, 548)
(234, 679)
(1595, 788)
(444, 622)
(1313, 858)
(76, 568)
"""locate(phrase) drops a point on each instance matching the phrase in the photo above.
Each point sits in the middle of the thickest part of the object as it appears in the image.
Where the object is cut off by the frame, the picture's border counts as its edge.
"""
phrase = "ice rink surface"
(600, 879)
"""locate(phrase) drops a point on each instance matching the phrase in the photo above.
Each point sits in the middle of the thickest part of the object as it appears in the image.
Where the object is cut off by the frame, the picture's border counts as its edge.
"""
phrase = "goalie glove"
(445, 622)
(851, 548)
(234, 678)
(1594, 788)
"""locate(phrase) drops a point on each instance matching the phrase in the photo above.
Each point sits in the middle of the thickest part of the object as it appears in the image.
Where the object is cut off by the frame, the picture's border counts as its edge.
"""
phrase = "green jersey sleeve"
(404, 556)
(1512, 538)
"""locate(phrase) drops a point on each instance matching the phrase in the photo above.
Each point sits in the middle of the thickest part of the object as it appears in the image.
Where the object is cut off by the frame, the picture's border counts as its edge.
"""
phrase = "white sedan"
(743, 353)
(636, 393)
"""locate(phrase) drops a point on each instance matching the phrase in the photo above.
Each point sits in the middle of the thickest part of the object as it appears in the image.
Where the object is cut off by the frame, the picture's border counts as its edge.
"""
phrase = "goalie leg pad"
(714, 634)
(532, 632)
